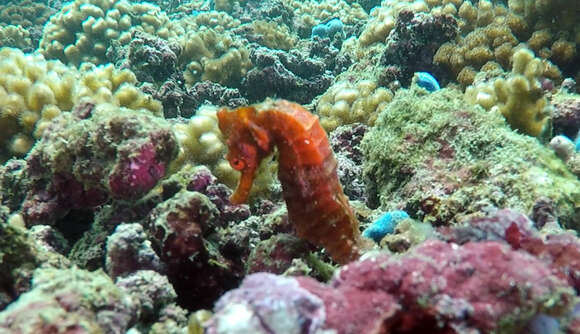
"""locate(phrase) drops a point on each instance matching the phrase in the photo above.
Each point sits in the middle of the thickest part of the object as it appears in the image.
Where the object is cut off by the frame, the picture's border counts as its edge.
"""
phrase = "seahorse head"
(248, 143)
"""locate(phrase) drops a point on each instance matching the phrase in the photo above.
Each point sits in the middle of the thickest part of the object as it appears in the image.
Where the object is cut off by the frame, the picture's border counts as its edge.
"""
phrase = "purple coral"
(136, 173)
(182, 228)
(267, 303)
(566, 117)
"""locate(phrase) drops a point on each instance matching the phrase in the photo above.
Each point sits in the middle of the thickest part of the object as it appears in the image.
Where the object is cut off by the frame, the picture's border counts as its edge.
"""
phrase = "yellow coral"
(519, 98)
(346, 103)
(83, 30)
(201, 143)
(15, 36)
(33, 91)
(208, 55)
(272, 35)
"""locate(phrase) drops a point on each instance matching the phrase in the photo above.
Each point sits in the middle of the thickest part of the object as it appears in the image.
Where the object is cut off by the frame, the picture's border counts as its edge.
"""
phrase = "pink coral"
(437, 287)
(136, 174)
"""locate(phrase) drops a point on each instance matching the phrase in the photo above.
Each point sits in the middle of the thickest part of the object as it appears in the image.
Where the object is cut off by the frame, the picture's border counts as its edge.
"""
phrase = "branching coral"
(519, 98)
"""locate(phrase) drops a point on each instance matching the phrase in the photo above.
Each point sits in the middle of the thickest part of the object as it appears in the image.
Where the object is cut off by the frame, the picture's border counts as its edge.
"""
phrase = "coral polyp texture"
(83, 30)
(519, 98)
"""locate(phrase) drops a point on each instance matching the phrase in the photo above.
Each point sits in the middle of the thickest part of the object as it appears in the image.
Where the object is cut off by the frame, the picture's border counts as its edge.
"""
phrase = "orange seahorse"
(307, 171)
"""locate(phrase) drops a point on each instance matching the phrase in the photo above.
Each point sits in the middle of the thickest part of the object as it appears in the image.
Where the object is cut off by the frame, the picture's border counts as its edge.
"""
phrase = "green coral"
(441, 160)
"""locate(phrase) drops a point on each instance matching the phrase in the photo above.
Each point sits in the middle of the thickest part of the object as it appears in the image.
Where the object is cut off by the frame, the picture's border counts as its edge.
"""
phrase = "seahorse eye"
(238, 164)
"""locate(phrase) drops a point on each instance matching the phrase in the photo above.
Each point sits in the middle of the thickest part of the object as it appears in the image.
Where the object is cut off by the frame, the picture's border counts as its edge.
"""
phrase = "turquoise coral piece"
(427, 81)
(385, 225)
(328, 29)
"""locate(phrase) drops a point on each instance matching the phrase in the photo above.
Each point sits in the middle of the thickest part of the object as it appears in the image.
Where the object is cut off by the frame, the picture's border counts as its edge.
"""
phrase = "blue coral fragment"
(386, 224)
(427, 81)
(328, 29)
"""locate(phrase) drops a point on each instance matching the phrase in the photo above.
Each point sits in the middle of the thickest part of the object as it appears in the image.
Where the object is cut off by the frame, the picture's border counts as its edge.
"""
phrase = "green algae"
(441, 159)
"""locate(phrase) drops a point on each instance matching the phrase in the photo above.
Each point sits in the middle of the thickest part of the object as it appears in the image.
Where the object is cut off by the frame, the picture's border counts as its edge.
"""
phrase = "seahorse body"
(307, 170)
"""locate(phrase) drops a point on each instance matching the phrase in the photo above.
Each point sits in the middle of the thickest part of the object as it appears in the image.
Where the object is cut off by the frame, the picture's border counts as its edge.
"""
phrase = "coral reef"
(439, 160)
(181, 227)
(457, 291)
(209, 55)
(519, 98)
(450, 129)
(310, 13)
(15, 37)
(269, 34)
(128, 251)
(130, 153)
(566, 116)
(70, 300)
(34, 91)
(345, 142)
(83, 30)
(290, 75)
(346, 103)
(413, 42)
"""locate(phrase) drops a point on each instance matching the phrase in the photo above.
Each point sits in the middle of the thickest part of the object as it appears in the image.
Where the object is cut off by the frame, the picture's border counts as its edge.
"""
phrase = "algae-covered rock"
(17, 261)
(70, 301)
(441, 159)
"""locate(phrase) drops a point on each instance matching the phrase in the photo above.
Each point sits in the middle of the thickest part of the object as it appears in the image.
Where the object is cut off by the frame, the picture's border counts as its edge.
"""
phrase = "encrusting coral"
(519, 98)
(131, 151)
